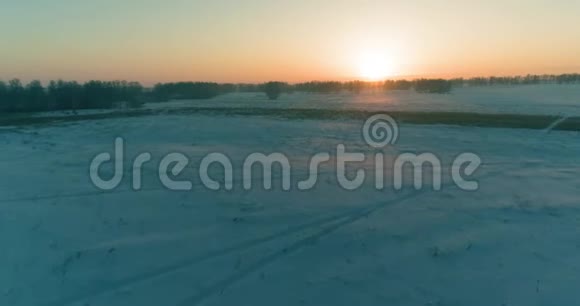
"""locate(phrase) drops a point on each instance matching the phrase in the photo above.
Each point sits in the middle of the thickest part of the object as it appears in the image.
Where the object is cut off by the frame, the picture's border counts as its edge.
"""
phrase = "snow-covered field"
(550, 99)
(512, 242)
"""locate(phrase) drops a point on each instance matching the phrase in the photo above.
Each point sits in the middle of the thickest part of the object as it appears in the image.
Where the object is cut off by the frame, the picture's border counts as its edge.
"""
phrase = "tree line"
(70, 95)
(190, 90)
(274, 89)
(431, 86)
(530, 79)
(63, 95)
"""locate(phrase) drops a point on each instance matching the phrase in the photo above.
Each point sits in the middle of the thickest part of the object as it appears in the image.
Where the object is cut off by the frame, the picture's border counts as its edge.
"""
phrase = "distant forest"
(62, 95)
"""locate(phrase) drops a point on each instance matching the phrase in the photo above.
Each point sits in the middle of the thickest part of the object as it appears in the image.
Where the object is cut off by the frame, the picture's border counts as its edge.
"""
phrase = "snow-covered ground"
(512, 242)
(548, 99)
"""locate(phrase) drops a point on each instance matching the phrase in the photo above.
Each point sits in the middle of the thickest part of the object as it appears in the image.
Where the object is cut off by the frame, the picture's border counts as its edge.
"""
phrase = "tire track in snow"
(556, 123)
(298, 245)
(117, 191)
(350, 216)
(220, 286)
(293, 248)
(201, 258)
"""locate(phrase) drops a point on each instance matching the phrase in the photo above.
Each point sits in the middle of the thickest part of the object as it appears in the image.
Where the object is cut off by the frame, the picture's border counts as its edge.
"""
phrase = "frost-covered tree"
(273, 89)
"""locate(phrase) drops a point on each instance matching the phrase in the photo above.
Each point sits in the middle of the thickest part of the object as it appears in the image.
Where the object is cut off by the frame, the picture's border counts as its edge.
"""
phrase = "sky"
(258, 40)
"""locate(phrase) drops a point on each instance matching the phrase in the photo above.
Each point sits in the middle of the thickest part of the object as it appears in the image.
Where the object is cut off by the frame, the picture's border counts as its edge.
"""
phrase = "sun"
(374, 66)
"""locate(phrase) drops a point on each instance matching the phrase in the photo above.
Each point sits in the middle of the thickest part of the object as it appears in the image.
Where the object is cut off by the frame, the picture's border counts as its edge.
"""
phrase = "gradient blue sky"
(252, 41)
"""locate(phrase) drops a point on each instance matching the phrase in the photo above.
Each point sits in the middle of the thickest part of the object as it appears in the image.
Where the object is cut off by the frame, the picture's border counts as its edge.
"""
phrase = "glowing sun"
(374, 66)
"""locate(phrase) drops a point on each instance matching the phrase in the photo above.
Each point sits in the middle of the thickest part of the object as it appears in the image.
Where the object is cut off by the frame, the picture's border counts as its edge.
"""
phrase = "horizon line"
(340, 80)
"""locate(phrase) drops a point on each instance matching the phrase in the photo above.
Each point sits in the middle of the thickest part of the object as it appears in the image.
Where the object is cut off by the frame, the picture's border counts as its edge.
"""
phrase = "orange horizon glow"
(259, 41)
